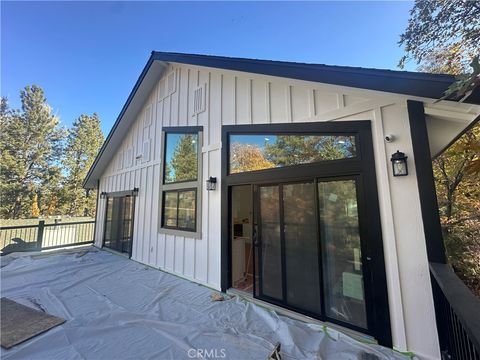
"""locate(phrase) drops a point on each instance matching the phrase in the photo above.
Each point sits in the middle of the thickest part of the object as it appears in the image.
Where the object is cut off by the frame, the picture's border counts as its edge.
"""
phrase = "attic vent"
(148, 117)
(199, 99)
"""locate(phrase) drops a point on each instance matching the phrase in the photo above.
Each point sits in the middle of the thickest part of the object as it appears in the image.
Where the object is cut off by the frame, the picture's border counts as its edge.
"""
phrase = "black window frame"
(179, 186)
(278, 132)
(178, 191)
(362, 166)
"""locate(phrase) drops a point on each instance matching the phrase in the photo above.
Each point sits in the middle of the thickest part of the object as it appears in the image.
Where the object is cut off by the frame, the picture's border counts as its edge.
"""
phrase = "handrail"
(71, 223)
(46, 236)
(13, 227)
(461, 305)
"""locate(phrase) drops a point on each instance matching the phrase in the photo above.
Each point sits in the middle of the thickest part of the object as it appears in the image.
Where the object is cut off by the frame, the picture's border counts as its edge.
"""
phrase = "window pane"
(301, 246)
(180, 157)
(186, 209)
(342, 264)
(170, 209)
(257, 152)
(271, 248)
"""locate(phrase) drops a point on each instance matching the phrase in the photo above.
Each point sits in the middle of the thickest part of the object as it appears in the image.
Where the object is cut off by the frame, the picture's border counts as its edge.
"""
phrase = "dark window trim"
(119, 193)
(378, 314)
(195, 184)
(306, 133)
(178, 191)
(132, 229)
(179, 130)
(182, 129)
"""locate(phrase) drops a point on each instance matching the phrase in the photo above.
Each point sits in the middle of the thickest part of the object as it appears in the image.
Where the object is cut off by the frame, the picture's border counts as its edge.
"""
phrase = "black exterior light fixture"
(135, 191)
(211, 183)
(103, 195)
(399, 164)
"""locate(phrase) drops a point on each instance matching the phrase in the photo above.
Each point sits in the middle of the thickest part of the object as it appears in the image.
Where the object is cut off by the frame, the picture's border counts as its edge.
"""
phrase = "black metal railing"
(458, 315)
(45, 236)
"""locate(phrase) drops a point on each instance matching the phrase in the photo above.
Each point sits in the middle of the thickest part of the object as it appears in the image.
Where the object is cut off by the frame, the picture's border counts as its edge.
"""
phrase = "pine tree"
(30, 145)
(184, 159)
(83, 142)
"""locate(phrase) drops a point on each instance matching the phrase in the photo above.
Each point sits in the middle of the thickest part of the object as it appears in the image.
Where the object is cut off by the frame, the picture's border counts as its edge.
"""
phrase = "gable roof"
(400, 82)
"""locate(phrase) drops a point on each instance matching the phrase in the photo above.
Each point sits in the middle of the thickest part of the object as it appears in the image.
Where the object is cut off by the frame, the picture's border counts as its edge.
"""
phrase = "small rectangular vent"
(199, 99)
(148, 116)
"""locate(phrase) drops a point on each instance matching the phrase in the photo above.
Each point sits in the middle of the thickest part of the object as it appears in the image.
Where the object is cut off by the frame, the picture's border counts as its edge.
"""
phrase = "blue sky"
(88, 55)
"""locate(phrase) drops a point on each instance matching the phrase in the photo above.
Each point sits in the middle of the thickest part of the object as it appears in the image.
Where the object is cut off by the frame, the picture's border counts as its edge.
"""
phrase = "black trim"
(119, 118)
(179, 130)
(361, 168)
(182, 129)
(120, 193)
(133, 199)
(296, 132)
(178, 191)
(400, 82)
(426, 182)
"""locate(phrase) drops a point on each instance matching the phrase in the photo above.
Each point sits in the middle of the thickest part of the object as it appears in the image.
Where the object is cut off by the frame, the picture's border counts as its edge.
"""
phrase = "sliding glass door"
(309, 249)
(118, 234)
(318, 246)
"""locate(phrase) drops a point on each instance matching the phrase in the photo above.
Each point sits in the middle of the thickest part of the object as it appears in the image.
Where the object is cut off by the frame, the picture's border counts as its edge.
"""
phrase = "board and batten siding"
(244, 98)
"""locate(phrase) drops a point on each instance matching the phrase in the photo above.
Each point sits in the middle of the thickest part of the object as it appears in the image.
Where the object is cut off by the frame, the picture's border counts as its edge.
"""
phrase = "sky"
(87, 56)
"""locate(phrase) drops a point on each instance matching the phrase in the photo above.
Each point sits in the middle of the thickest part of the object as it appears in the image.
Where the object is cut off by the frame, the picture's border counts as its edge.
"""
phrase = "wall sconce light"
(135, 191)
(103, 195)
(399, 164)
(211, 183)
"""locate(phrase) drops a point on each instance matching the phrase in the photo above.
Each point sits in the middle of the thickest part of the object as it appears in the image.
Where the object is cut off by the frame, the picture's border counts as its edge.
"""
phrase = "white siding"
(244, 98)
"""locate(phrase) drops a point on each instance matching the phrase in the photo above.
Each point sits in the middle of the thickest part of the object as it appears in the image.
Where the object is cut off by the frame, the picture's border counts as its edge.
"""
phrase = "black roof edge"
(400, 82)
(119, 117)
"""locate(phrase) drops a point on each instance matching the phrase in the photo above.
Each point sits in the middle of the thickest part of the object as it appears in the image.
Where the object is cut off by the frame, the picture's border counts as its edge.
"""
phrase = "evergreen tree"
(30, 144)
(184, 159)
(293, 150)
(83, 142)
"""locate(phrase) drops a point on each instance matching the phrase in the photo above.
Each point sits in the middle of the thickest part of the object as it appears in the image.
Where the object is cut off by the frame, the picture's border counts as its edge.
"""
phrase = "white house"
(306, 211)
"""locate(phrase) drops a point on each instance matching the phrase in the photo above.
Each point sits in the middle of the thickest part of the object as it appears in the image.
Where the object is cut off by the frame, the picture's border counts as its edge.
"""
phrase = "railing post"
(41, 225)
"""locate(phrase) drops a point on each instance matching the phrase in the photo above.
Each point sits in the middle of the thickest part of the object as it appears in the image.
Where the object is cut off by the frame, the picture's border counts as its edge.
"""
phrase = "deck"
(119, 309)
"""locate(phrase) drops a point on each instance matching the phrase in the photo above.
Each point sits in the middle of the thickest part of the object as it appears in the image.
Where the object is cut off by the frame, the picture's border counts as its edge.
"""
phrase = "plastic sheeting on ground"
(119, 309)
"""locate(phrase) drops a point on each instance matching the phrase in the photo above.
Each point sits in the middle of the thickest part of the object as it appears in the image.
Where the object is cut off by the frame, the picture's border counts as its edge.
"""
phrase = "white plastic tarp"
(119, 309)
